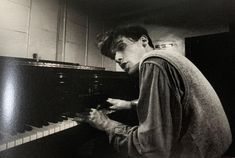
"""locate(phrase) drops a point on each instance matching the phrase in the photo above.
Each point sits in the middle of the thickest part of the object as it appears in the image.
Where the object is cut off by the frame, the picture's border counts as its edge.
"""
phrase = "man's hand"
(119, 104)
(95, 118)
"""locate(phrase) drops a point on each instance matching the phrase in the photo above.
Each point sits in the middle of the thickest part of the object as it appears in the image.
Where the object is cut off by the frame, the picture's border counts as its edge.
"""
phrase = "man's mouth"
(124, 66)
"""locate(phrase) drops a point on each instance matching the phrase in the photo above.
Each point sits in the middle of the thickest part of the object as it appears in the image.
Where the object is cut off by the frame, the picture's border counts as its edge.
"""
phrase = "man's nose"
(118, 58)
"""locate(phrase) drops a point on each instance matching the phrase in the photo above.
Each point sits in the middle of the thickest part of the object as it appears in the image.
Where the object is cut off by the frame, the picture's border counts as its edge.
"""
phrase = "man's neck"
(149, 49)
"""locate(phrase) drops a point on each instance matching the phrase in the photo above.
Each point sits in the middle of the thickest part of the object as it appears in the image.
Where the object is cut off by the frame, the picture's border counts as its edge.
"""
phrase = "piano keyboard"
(36, 133)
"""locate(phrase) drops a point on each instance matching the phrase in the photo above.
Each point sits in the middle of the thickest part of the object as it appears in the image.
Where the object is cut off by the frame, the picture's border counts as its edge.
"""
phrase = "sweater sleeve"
(157, 130)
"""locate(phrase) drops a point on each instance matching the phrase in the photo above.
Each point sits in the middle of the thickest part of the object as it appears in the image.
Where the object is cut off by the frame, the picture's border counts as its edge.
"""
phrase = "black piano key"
(23, 128)
(69, 114)
(28, 128)
(62, 118)
(37, 124)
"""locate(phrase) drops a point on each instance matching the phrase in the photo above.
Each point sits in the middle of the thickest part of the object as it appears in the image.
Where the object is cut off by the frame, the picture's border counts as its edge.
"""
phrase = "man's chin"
(133, 69)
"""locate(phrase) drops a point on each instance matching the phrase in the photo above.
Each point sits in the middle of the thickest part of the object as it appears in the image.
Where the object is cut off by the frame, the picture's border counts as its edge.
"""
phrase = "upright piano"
(39, 99)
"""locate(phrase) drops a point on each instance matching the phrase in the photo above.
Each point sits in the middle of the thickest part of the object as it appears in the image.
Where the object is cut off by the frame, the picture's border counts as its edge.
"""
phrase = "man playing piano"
(179, 113)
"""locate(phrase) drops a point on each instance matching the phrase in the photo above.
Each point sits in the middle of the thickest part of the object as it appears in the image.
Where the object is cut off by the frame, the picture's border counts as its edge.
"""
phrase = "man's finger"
(82, 116)
(113, 107)
(78, 119)
(111, 101)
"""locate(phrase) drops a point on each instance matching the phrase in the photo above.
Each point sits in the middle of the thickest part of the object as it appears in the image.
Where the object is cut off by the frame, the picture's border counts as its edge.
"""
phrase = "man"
(179, 113)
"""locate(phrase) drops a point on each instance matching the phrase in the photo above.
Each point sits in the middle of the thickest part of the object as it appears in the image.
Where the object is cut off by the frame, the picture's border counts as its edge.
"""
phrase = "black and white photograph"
(117, 78)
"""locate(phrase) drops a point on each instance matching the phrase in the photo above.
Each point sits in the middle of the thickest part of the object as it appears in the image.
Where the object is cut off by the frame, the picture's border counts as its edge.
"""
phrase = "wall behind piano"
(54, 29)
(180, 19)
(173, 21)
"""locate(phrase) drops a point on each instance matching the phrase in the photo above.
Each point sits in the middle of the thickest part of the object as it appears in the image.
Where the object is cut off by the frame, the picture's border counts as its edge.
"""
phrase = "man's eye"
(121, 47)
(118, 47)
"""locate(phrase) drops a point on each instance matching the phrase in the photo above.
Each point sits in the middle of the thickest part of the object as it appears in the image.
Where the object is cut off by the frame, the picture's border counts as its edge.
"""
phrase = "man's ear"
(144, 40)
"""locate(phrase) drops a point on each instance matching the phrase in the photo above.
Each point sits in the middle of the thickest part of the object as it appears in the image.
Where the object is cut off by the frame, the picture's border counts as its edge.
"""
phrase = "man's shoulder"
(154, 60)
(163, 56)
(153, 57)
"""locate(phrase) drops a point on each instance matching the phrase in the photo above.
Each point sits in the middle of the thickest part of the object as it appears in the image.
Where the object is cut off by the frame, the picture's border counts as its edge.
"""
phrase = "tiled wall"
(53, 29)
(43, 28)
(76, 30)
(14, 17)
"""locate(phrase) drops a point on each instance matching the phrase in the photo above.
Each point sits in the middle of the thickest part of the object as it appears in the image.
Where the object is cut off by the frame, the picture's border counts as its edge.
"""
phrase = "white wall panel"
(76, 33)
(107, 62)
(22, 2)
(42, 42)
(75, 53)
(94, 57)
(13, 16)
(44, 14)
(76, 15)
(43, 29)
(13, 43)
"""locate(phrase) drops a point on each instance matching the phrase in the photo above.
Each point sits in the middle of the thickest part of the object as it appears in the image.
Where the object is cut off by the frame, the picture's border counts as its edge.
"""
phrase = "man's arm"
(156, 132)
(159, 114)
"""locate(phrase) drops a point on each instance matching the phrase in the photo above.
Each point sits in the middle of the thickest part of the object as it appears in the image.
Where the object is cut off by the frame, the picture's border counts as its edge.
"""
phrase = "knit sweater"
(180, 114)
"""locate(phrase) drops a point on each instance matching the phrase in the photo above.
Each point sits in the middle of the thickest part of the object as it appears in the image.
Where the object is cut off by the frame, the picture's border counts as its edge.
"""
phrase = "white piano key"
(18, 141)
(45, 133)
(66, 126)
(62, 127)
(51, 128)
(33, 137)
(36, 133)
(26, 139)
(39, 134)
(75, 123)
(57, 129)
(52, 131)
(24, 136)
(10, 144)
(71, 125)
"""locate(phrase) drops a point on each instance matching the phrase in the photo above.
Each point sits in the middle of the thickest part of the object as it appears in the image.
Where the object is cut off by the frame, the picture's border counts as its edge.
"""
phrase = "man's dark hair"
(106, 40)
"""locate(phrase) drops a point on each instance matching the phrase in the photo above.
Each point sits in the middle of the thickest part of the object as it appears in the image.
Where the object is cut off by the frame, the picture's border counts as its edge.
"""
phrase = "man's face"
(128, 52)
